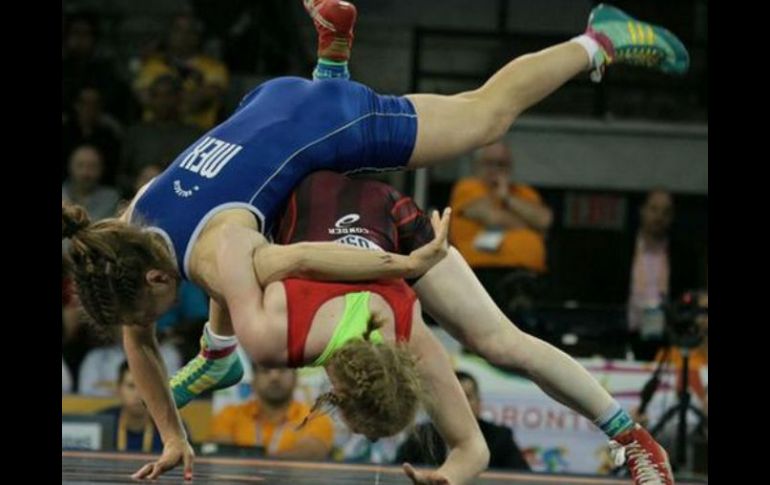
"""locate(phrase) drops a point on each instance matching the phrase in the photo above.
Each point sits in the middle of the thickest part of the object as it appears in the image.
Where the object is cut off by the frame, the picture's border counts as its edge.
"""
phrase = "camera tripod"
(679, 410)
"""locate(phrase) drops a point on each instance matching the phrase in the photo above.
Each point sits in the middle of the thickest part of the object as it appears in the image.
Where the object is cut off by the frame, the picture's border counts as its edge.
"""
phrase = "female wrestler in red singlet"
(370, 338)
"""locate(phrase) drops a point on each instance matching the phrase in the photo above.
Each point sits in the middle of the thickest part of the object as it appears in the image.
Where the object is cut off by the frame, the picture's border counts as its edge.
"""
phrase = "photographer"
(661, 265)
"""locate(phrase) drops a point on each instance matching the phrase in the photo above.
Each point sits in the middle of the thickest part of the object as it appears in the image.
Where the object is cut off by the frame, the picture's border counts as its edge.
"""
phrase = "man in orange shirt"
(271, 421)
(498, 225)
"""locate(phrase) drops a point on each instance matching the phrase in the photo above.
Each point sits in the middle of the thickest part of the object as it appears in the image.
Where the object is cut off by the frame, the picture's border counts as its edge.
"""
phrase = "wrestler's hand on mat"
(174, 452)
(425, 257)
(427, 477)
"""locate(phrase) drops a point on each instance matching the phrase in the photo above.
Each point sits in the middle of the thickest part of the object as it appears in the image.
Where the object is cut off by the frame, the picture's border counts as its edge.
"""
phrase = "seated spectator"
(89, 125)
(134, 429)
(160, 140)
(272, 420)
(498, 224)
(204, 79)
(425, 446)
(99, 370)
(84, 184)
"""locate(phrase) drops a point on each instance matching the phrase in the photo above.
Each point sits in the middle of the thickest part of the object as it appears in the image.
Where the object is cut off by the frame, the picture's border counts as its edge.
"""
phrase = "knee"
(491, 120)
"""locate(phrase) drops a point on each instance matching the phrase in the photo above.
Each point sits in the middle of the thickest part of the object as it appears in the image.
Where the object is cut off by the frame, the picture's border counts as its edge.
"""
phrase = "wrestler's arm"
(450, 412)
(238, 290)
(144, 359)
(149, 371)
(333, 261)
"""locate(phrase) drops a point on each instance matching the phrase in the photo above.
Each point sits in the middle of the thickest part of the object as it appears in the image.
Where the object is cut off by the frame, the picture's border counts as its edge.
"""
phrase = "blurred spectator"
(134, 429)
(84, 65)
(159, 141)
(204, 79)
(89, 125)
(499, 225)
(66, 378)
(658, 267)
(83, 186)
(425, 446)
(99, 370)
(271, 421)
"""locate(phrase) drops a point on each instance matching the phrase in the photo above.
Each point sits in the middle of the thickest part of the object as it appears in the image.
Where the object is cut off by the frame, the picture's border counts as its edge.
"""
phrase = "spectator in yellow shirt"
(271, 421)
(204, 79)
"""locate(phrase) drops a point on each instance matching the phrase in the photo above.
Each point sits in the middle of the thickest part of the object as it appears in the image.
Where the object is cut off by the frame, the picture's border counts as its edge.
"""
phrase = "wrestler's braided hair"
(109, 261)
(377, 386)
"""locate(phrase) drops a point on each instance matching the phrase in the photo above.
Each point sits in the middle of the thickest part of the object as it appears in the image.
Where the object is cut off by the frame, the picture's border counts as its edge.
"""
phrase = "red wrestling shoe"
(645, 458)
(334, 21)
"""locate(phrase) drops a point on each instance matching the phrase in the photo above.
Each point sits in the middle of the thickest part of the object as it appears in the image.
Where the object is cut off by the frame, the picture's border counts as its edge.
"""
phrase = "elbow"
(476, 452)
